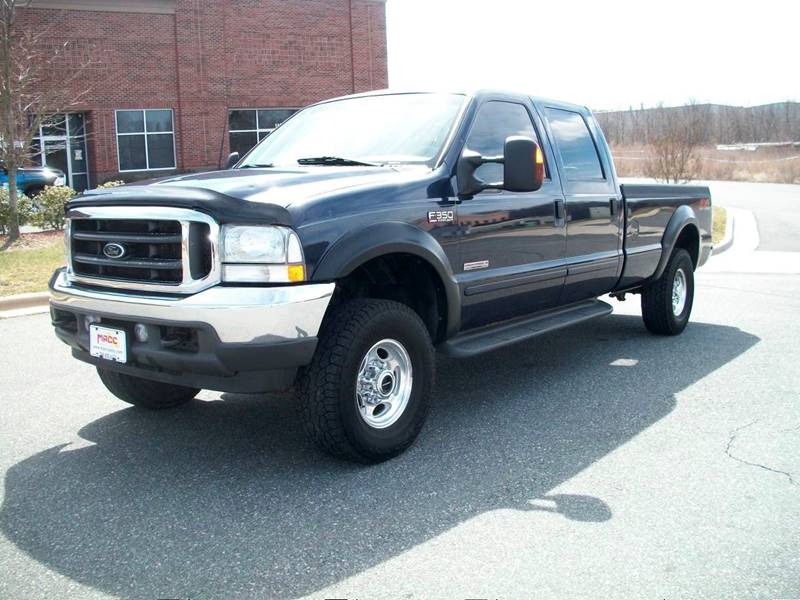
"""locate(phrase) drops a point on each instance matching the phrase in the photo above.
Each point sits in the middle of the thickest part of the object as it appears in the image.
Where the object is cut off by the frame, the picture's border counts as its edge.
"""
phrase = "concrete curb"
(18, 301)
(727, 241)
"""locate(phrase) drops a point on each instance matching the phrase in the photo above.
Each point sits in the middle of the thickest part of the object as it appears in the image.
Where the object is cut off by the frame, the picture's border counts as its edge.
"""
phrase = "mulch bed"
(31, 241)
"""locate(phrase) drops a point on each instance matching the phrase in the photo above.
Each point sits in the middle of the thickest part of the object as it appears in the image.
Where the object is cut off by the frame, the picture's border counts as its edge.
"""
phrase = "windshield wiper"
(257, 166)
(335, 161)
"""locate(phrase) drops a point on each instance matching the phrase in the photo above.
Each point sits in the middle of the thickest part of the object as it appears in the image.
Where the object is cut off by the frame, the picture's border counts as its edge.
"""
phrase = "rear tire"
(145, 393)
(667, 301)
(366, 393)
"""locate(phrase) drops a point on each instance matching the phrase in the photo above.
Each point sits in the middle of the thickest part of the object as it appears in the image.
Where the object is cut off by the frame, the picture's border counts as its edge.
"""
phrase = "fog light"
(140, 330)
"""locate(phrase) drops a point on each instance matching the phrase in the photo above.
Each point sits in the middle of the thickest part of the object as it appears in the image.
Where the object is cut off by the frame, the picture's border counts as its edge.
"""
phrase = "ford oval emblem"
(114, 250)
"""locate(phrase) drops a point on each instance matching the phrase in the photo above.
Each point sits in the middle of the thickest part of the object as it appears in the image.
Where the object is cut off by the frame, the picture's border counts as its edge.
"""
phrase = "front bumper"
(236, 339)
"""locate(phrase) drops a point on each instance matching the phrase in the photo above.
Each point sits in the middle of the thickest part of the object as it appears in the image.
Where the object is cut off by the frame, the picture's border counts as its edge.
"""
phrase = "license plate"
(108, 343)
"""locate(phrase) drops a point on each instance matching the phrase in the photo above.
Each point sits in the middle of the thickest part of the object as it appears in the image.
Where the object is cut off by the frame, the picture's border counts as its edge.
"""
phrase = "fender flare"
(682, 218)
(357, 247)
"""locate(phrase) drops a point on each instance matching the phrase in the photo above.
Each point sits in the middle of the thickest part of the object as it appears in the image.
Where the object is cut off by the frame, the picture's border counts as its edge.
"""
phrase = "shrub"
(24, 207)
(110, 184)
(48, 207)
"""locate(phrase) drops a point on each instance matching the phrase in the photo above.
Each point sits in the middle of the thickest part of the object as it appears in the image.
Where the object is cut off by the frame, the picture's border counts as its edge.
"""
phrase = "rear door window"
(575, 145)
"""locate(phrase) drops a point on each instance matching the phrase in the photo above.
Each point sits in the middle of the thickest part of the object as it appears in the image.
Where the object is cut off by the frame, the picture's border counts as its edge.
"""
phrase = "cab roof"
(478, 94)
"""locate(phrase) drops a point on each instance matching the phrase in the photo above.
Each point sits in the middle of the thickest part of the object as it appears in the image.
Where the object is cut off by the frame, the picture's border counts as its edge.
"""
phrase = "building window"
(145, 140)
(247, 127)
(60, 143)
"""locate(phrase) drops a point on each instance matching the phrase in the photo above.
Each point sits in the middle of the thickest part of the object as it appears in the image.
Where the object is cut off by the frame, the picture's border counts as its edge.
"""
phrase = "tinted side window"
(494, 122)
(575, 144)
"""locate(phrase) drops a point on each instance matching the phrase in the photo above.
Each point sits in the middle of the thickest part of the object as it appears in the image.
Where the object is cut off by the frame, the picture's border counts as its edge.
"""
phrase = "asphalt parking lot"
(599, 461)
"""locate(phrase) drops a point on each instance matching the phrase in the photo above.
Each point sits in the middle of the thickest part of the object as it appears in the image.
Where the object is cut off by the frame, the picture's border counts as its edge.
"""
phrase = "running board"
(506, 333)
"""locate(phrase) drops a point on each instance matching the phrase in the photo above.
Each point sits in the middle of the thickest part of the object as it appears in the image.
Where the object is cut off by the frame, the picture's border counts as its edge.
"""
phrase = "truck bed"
(649, 209)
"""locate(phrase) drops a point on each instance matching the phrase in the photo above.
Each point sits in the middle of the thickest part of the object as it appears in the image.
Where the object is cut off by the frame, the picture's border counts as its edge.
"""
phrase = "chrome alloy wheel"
(679, 292)
(383, 385)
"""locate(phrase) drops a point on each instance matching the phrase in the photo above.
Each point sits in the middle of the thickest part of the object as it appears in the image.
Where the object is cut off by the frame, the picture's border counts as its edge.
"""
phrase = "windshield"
(398, 128)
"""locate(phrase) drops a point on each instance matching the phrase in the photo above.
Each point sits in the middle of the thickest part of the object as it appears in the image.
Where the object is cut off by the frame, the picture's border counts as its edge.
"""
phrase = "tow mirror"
(233, 158)
(523, 168)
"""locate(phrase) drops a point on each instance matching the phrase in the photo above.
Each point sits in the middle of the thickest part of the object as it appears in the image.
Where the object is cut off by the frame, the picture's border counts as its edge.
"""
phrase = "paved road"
(776, 208)
(597, 462)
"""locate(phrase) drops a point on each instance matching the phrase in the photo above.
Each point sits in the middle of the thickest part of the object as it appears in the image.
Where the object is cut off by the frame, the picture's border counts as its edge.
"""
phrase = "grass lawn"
(28, 264)
(718, 229)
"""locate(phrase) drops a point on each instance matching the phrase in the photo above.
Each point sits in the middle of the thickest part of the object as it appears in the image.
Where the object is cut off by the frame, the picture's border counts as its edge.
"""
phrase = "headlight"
(261, 254)
(244, 244)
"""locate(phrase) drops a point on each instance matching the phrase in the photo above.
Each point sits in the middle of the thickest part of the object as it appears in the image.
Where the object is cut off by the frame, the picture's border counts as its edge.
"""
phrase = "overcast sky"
(602, 53)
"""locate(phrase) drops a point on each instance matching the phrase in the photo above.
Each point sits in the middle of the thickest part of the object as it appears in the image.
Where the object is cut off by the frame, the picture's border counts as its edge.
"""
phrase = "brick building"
(174, 85)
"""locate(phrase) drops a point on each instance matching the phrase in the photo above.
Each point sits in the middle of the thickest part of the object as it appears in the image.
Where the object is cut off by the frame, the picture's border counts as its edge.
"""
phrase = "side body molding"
(357, 247)
(682, 218)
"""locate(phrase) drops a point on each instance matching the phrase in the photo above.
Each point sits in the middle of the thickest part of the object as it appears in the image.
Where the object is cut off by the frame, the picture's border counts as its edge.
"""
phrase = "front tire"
(366, 393)
(145, 393)
(667, 302)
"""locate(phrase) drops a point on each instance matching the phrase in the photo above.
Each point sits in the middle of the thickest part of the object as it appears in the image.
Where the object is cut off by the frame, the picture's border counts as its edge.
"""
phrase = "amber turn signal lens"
(296, 273)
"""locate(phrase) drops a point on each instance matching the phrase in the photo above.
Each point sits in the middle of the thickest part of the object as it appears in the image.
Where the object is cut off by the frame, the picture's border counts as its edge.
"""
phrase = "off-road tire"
(657, 312)
(326, 388)
(144, 392)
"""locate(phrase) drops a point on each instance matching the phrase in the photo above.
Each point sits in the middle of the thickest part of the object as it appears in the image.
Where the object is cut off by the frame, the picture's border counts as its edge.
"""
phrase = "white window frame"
(258, 130)
(67, 138)
(145, 133)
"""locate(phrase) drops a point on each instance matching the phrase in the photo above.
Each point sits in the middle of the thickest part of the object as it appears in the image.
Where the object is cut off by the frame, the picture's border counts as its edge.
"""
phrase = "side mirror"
(468, 163)
(233, 158)
(523, 168)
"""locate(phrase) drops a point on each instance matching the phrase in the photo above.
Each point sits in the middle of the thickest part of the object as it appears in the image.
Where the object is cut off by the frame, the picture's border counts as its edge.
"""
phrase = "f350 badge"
(440, 216)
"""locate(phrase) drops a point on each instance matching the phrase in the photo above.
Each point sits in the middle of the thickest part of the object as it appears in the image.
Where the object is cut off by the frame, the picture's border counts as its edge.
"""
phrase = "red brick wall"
(210, 56)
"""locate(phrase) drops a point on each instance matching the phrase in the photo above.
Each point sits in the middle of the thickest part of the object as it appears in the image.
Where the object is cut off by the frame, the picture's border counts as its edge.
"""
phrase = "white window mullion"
(146, 153)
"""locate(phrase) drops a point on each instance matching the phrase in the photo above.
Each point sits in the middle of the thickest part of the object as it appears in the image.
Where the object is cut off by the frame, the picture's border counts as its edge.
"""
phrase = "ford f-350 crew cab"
(362, 235)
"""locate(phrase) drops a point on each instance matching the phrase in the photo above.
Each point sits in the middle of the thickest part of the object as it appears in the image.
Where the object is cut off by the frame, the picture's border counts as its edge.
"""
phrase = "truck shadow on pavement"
(226, 498)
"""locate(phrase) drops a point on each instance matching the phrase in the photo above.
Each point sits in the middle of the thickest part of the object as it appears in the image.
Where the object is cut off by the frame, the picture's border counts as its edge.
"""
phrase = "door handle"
(558, 210)
(612, 206)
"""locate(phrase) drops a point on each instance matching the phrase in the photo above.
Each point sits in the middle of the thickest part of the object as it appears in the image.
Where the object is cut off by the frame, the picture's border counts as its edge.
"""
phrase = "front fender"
(682, 218)
(357, 247)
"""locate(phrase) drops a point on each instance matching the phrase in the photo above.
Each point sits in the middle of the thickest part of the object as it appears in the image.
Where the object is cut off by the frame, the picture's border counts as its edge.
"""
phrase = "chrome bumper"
(238, 315)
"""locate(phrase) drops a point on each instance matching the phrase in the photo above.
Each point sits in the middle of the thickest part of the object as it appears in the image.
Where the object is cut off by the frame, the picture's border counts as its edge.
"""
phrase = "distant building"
(754, 146)
(174, 85)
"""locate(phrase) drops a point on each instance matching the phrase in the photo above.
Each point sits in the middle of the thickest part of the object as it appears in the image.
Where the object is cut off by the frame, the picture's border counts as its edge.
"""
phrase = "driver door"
(512, 245)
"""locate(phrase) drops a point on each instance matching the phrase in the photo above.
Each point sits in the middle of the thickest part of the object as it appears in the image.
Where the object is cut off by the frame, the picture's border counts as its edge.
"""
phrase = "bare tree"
(674, 139)
(717, 124)
(38, 78)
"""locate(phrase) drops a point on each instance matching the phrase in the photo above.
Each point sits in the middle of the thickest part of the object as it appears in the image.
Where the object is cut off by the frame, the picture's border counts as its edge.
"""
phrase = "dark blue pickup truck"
(362, 236)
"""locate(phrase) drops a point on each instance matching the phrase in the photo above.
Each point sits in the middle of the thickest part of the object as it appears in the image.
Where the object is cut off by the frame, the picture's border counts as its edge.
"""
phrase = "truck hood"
(288, 186)
(249, 195)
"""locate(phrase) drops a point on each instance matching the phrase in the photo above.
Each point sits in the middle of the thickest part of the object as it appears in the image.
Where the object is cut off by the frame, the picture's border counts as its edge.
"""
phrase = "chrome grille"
(148, 251)
(157, 249)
